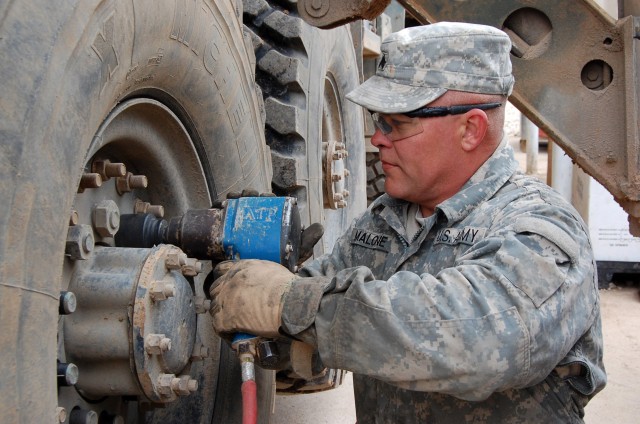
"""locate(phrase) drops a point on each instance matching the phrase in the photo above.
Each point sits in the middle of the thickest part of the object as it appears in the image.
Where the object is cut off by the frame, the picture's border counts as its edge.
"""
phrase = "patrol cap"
(419, 64)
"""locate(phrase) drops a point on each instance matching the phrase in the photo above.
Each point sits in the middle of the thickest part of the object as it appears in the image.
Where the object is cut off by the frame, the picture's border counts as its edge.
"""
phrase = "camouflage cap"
(420, 64)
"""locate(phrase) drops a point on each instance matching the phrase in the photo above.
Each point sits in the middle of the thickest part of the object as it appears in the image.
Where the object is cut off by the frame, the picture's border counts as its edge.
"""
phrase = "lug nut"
(162, 290)
(67, 374)
(108, 169)
(83, 416)
(199, 353)
(175, 260)
(67, 303)
(89, 180)
(130, 182)
(155, 344)
(80, 242)
(146, 207)
(202, 304)
(167, 384)
(184, 385)
(191, 267)
(106, 218)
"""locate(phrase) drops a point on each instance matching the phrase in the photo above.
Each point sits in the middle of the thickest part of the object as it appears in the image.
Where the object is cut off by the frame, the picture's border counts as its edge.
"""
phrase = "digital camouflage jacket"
(491, 315)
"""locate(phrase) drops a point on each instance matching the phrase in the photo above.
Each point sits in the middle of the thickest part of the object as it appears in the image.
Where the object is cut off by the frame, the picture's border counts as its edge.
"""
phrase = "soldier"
(466, 293)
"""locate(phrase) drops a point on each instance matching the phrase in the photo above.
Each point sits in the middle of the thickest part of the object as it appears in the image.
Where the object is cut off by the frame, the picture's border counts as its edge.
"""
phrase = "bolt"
(164, 384)
(73, 217)
(191, 267)
(341, 204)
(175, 260)
(337, 155)
(340, 146)
(336, 177)
(67, 303)
(346, 173)
(80, 242)
(83, 416)
(67, 374)
(156, 344)
(108, 169)
(129, 182)
(345, 193)
(89, 180)
(61, 414)
(337, 197)
(184, 385)
(202, 304)
(162, 290)
(199, 353)
(146, 207)
(106, 218)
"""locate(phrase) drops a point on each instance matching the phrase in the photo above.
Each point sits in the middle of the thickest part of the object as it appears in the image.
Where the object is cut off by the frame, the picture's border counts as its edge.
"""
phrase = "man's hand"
(248, 297)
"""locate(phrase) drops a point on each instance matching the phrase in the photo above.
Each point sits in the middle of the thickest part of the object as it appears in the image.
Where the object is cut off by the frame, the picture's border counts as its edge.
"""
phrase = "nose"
(378, 139)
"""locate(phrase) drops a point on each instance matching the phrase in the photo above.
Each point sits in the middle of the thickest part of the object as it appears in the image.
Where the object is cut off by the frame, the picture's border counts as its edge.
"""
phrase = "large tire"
(304, 74)
(188, 118)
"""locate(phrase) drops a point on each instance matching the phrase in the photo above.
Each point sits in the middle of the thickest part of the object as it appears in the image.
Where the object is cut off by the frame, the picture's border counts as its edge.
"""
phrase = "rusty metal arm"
(576, 77)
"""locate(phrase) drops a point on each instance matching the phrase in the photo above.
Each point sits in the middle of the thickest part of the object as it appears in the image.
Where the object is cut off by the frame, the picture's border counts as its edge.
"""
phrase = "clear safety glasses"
(398, 126)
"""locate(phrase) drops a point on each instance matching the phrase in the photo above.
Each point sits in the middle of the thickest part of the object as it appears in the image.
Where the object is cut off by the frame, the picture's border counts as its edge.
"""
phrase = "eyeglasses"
(404, 125)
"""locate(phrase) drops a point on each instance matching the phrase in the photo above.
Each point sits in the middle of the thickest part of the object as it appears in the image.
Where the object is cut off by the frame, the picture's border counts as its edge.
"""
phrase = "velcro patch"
(465, 235)
(371, 240)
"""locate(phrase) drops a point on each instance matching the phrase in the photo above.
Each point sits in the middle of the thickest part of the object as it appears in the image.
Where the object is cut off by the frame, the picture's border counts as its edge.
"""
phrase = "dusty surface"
(617, 403)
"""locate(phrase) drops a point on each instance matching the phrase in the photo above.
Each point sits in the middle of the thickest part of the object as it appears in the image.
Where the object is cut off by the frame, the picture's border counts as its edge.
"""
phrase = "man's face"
(420, 168)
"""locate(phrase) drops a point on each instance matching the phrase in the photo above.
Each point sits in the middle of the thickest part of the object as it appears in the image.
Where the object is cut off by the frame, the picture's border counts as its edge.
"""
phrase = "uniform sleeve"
(502, 316)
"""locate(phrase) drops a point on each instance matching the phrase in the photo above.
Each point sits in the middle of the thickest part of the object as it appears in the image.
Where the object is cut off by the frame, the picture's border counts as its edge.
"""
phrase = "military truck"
(114, 110)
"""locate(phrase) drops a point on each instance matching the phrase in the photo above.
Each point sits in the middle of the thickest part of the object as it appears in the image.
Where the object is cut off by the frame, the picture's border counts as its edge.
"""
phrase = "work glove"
(248, 297)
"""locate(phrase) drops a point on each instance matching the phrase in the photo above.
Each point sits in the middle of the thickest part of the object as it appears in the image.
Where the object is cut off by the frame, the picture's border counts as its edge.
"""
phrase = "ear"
(475, 128)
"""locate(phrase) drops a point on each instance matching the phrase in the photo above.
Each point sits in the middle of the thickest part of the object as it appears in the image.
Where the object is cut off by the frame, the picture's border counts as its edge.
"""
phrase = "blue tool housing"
(262, 228)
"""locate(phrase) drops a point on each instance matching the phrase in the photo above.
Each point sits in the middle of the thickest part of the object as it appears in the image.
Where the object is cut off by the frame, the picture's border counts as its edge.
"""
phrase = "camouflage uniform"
(474, 319)
(490, 312)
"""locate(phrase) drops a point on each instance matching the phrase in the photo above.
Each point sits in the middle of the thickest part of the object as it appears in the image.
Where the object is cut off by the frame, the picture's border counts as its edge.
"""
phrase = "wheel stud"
(108, 169)
(146, 207)
(89, 180)
(130, 182)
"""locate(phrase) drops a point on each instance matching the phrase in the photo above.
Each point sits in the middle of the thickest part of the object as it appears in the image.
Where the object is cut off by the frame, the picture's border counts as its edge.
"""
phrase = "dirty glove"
(249, 297)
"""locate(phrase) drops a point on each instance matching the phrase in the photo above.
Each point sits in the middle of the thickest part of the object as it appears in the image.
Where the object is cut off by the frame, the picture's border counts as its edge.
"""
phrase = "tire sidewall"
(66, 67)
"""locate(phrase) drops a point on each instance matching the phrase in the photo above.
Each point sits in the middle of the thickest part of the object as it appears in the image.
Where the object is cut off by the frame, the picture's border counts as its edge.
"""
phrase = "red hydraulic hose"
(249, 402)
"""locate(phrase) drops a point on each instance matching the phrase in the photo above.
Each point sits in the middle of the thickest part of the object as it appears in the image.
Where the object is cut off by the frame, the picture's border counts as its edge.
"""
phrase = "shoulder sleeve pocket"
(537, 257)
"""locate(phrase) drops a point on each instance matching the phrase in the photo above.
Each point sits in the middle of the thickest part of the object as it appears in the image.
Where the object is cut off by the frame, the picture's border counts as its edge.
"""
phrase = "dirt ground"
(620, 308)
